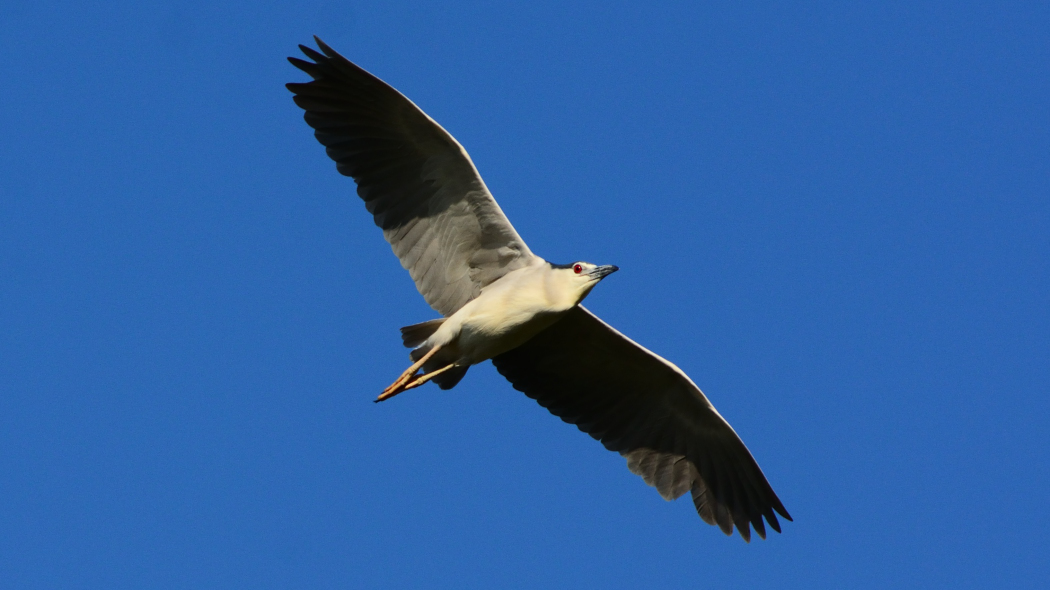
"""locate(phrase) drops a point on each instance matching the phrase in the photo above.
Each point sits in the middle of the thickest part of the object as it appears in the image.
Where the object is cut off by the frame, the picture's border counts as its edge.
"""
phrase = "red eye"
(576, 268)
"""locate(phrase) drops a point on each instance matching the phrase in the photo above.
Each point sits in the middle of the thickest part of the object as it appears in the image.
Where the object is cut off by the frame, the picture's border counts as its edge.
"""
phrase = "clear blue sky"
(834, 217)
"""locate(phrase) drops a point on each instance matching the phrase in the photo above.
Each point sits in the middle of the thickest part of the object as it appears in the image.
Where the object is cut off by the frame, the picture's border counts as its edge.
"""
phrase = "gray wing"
(416, 180)
(649, 411)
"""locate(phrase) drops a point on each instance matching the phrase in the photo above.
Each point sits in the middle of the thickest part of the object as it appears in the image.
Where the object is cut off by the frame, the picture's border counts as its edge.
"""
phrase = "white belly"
(505, 315)
(484, 336)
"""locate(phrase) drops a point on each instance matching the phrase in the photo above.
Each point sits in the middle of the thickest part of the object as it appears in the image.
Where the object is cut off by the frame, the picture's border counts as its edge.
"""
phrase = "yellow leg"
(398, 386)
(414, 383)
(421, 379)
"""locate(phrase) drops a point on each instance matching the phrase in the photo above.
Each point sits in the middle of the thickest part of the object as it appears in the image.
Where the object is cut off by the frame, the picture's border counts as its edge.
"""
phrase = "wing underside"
(417, 180)
(646, 409)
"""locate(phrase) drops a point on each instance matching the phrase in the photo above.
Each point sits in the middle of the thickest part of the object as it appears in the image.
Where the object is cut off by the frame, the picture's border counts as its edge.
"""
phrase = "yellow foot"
(396, 387)
(416, 381)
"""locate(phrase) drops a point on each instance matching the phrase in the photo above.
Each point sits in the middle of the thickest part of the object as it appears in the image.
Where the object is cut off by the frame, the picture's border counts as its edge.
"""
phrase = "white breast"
(506, 314)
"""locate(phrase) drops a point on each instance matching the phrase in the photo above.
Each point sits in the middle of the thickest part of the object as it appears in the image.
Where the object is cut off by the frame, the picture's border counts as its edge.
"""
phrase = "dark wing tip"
(325, 48)
(302, 64)
(772, 520)
(759, 527)
(312, 53)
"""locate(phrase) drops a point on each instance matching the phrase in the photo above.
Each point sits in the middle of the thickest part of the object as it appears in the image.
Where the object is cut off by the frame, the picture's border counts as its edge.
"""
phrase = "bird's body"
(502, 302)
(505, 315)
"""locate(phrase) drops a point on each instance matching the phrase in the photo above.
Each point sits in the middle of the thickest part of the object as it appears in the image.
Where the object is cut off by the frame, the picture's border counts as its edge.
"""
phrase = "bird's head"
(575, 281)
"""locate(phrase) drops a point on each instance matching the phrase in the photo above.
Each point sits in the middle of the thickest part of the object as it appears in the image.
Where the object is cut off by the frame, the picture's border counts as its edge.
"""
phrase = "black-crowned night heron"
(502, 302)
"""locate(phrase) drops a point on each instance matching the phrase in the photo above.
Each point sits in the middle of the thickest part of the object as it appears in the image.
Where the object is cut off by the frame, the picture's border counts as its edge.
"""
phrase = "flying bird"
(501, 302)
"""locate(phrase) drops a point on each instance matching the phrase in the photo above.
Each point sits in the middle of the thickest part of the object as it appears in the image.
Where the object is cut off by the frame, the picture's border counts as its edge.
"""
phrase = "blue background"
(834, 217)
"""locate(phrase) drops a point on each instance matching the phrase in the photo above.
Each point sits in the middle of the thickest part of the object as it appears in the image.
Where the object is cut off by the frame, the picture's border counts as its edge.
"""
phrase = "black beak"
(603, 271)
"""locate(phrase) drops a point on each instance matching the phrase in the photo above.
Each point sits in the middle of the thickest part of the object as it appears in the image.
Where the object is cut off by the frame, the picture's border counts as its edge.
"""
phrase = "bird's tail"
(416, 334)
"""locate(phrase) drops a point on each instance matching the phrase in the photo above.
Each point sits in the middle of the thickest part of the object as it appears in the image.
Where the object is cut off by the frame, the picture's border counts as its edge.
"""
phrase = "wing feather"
(417, 181)
(649, 411)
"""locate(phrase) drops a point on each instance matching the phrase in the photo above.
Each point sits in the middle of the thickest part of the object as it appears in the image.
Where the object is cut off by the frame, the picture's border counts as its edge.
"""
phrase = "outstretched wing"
(649, 411)
(416, 180)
